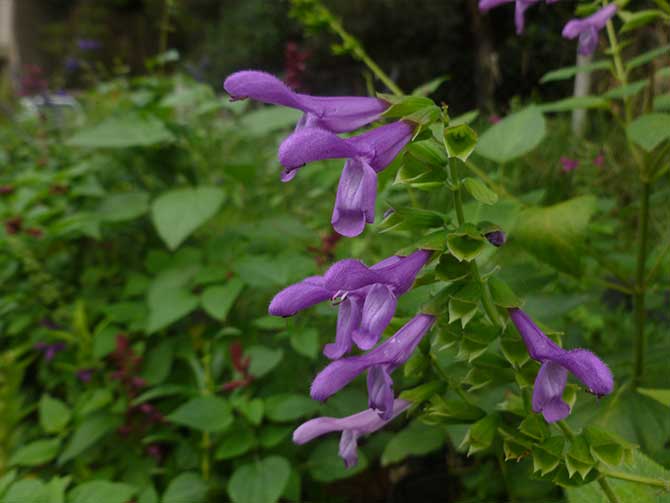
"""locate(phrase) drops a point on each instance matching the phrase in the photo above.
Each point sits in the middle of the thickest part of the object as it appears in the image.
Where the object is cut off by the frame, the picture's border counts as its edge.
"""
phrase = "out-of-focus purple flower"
(496, 238)
(556, 362)
(568, 164)
(599, 160)
(71, 64)
(338, 114)
(587, 29)
(380, 363)
(366, 154)
(49, 350)
(352, 427)
(85, 375)
(50, 324)
(367, 297)
(520, 7)
(88, 44)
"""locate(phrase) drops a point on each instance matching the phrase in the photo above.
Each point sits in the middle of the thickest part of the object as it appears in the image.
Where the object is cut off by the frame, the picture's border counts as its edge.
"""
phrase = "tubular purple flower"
(556, 362)
(587, 29)
(367, 297)
(366, 154)
(338, 114)
(352, 428)
(520, 8)
(380, 362)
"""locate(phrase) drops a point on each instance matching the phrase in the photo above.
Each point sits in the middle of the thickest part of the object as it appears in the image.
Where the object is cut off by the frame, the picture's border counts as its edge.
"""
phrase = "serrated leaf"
(548, 455)
(502, 294)
(481, 434)
(465, 244)
(460, 141)
(578, 458)
(451, 269)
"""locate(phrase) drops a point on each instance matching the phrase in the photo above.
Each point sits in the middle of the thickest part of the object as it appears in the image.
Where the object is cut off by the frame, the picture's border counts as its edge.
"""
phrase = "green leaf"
(122, 207)
(415, 440)
(412, 108)
(624, 91)
(186, 487)
(649, 130)
(129, 130)
(455, 411)
(263, 359)
(235, 442)
(177, 213)
(289, 407)
(513, 347)
(481, 434)
(451, 269)
(605, 447)
(411, 218)
(272, 435)
(548, 455)
(502, 294)
(305, 341)
(556, 234)
(54, 414)
(268, 119)
(460, 141)
(252, 409)
(514, 136)
(169, 298)
(26, 490)
(35, 453)
(459, 310)
(101, 491)
(646, 57)
(206, 413)
(578, 459)
(480, 191)
(260, 481)
(574, 103)
(466, 243)
(325, 465)
(660, 395)
(571, 71)
(430, 87)
(662, 103)
(157, 363)
(217, 300)
(88, 433)
(535, 427)
(633, 20)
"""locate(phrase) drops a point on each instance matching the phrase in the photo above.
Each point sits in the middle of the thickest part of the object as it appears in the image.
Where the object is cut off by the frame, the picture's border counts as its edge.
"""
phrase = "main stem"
(607, 489)
(640, 479)
(640, 340)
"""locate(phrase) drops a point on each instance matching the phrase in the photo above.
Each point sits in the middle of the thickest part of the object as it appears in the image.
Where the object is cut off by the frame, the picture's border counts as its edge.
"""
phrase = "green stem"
(639, 341)
(640, 479)
(607, 489)
(206, 444)
(567, 431)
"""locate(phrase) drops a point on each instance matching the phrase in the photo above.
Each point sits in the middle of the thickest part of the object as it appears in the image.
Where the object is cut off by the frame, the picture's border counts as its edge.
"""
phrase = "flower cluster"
(316, 138)
(586, 30)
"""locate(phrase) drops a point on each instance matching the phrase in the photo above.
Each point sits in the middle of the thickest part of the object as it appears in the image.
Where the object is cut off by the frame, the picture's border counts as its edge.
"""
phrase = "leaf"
(556, 234)
(306, 342)
(466, 243)
(646, 57)
(578, 459)
(35, 453)
(263, 359)
(502, 294)
(479, 191)
(431, 86)
(627, 90)
(481, 434)
(660, 395)
(186, 487)
(235, 442)
(415, 440)
(101, 491)
(157, 363)
(206, 413)
(514, 136)
(26, 490)
(460, 141)
(169, 298)
(325, 465)
(268, 119)
(88, 433)
(649, 130)
(217, 300)
(574, 103)
(548, 455)
(451, 269)
(640, 18)
(289, 407)
(54, 414)
(259, 482)
(177, 213)
(129, 130)
(122, 207)
(571, 71)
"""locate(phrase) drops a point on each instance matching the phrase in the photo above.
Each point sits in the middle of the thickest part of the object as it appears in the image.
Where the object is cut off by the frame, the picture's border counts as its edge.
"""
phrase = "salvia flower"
(338, 114)
(568, 164)
(49, 351)
(367, 154)
(380, 363)
(352, 427)
(556, 362)
(367, 297)
(496, 238)
(520, 7)
(587, 29)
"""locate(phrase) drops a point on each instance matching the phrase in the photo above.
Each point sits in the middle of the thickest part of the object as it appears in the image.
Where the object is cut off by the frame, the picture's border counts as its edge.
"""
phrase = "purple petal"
(382, 144)
(355, 200)
(600, 18)
(397, 349)
(294, 298)
(588, 41)
(548, 392)
(589, 369)
(380, 391)
(343, 113)
(573, 28)
(401, 273)
(348, 449)
(486, 5)
(519, 12)
(393, 259)
(348, 318)
(379, 307)
(349, 274)
(540, 347)
(261, 86)
(338, 374)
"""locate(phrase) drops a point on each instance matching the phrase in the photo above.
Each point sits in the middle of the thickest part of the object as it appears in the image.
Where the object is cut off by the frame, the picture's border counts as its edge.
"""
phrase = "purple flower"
(568, 164)
(71, 64)
(85, 375)
(587, 29)
(367, 154)
(520, 7)
(49, 350)
(599, 160)
(496, 238)
(88, 44)
(380, 363)
(352, 427)
(367, 297)
(553, 374)
(337, 114)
